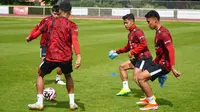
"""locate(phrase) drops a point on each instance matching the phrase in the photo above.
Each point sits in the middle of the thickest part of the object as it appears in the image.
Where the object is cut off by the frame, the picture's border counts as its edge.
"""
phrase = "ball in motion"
(49, 94)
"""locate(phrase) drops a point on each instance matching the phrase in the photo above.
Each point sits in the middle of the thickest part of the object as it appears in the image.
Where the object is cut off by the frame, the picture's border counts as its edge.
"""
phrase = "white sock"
(125, 84)
(71, 98)
(151, 100)
(40, 99)
(58, 77)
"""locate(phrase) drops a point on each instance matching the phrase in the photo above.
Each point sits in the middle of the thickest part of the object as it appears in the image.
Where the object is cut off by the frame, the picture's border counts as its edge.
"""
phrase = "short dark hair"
(153, 13)
(129, 16)
(55, 8)
(66, 6)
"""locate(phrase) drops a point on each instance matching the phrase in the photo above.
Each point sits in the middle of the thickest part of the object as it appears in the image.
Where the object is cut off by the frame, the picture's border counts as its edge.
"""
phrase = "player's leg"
(66, 68)
(143, 81)
(124, 77)
(45, 68)
(140, 65)
(151, 73)
(43, 50)
(58, 77)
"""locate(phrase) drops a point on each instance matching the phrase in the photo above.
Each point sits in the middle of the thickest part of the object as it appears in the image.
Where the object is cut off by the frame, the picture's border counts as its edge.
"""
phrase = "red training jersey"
(137, 44)
(43, 39)
(62, 34)
(165, 54)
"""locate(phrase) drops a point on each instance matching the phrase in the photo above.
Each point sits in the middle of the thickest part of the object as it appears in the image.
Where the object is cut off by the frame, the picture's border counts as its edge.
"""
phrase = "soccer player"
(137, 48)
(63, 33)
(43, 40)
(162, 64)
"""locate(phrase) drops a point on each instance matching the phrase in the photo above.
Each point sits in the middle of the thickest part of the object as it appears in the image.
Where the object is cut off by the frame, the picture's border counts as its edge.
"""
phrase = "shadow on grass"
(162, 101)
(137, 93)
(46, 82)
(64, 104)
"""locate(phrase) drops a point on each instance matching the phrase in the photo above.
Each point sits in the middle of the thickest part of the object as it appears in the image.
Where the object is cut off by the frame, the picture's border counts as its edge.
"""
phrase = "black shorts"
(43, 50)
(46, 67)
(157, 70)
(142, 63)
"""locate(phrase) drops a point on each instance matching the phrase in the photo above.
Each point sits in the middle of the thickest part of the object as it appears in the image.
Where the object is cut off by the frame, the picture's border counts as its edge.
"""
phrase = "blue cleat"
(162, 79)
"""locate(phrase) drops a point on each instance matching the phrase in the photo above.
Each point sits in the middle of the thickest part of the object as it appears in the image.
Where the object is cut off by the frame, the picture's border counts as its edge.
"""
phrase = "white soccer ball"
(49, 94)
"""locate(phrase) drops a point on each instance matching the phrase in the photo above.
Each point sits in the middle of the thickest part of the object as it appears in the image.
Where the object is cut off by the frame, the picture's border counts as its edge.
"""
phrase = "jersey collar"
(132, 27)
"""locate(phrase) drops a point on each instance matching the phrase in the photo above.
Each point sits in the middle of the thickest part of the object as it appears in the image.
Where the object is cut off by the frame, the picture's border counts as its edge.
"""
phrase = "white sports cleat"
(73, 106)
(60, 82)
(36, 106)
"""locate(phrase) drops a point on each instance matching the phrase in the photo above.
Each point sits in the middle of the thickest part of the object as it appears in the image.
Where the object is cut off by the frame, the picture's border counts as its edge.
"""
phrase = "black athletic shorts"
(142, 63)
(46, 67)
(43, 50)
(157, 70)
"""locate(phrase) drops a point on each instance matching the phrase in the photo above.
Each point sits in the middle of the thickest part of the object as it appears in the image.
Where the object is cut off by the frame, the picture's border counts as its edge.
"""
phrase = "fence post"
(99, 12)
(43, 10)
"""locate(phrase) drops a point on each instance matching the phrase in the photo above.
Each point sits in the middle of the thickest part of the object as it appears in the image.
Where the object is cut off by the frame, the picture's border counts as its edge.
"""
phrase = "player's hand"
(28, 39)
(175, 72)
(112, 54)
(78, 61)
(129, 55)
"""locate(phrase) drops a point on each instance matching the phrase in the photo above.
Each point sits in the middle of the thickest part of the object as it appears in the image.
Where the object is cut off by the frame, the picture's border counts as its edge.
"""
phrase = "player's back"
(60, 40)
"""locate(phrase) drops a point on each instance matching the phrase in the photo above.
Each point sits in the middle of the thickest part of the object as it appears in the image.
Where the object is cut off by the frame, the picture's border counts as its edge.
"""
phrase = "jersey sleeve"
(124, 49)
(40, 30)
(167, 40)
(142, 43)
(75, 43)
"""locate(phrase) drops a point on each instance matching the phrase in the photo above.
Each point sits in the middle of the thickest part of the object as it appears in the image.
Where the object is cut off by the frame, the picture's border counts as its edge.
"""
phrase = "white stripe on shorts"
(142, 64)
(40, 52)
(42, 63)
(155, 72)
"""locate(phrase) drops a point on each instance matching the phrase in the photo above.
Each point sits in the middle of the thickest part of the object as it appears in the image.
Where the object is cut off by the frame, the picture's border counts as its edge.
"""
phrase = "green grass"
(95, 89)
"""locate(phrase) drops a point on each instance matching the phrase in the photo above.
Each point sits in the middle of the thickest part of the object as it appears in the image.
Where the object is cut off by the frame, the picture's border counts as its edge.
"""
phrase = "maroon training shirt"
(137, 44)
(164, 48)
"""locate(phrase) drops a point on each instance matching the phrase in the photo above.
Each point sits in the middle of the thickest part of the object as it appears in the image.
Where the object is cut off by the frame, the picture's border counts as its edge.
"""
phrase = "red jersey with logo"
(164, 48)
(137, 44)
(62, 34)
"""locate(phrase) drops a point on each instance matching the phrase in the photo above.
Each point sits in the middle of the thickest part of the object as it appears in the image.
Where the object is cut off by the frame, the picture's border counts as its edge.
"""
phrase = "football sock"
(151, 100)
(57, 77)
(71, 98)
(40, 99)
(125, 84)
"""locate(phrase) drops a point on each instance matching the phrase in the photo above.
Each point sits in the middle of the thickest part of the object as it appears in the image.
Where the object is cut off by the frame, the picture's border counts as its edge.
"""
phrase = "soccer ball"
(49, 94)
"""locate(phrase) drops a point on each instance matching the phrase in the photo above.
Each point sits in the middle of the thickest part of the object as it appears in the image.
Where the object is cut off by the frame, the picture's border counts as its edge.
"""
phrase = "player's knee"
(135, 77)
(121, 67)
(67, 76)
(59, 72)
(141, 79)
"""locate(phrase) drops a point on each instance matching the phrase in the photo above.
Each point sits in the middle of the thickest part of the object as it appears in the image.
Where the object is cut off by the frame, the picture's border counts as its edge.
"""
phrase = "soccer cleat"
(60, 82)
(162, 79)
(150, 107)
(73, 106)
(144, 101)
(124, 92)
(35, 106)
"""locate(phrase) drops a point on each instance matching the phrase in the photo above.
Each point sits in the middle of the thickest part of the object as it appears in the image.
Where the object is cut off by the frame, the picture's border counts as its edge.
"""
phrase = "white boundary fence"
(104, 12)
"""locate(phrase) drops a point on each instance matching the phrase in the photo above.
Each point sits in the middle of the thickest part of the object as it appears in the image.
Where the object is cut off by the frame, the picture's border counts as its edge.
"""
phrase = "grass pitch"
(95, 89)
